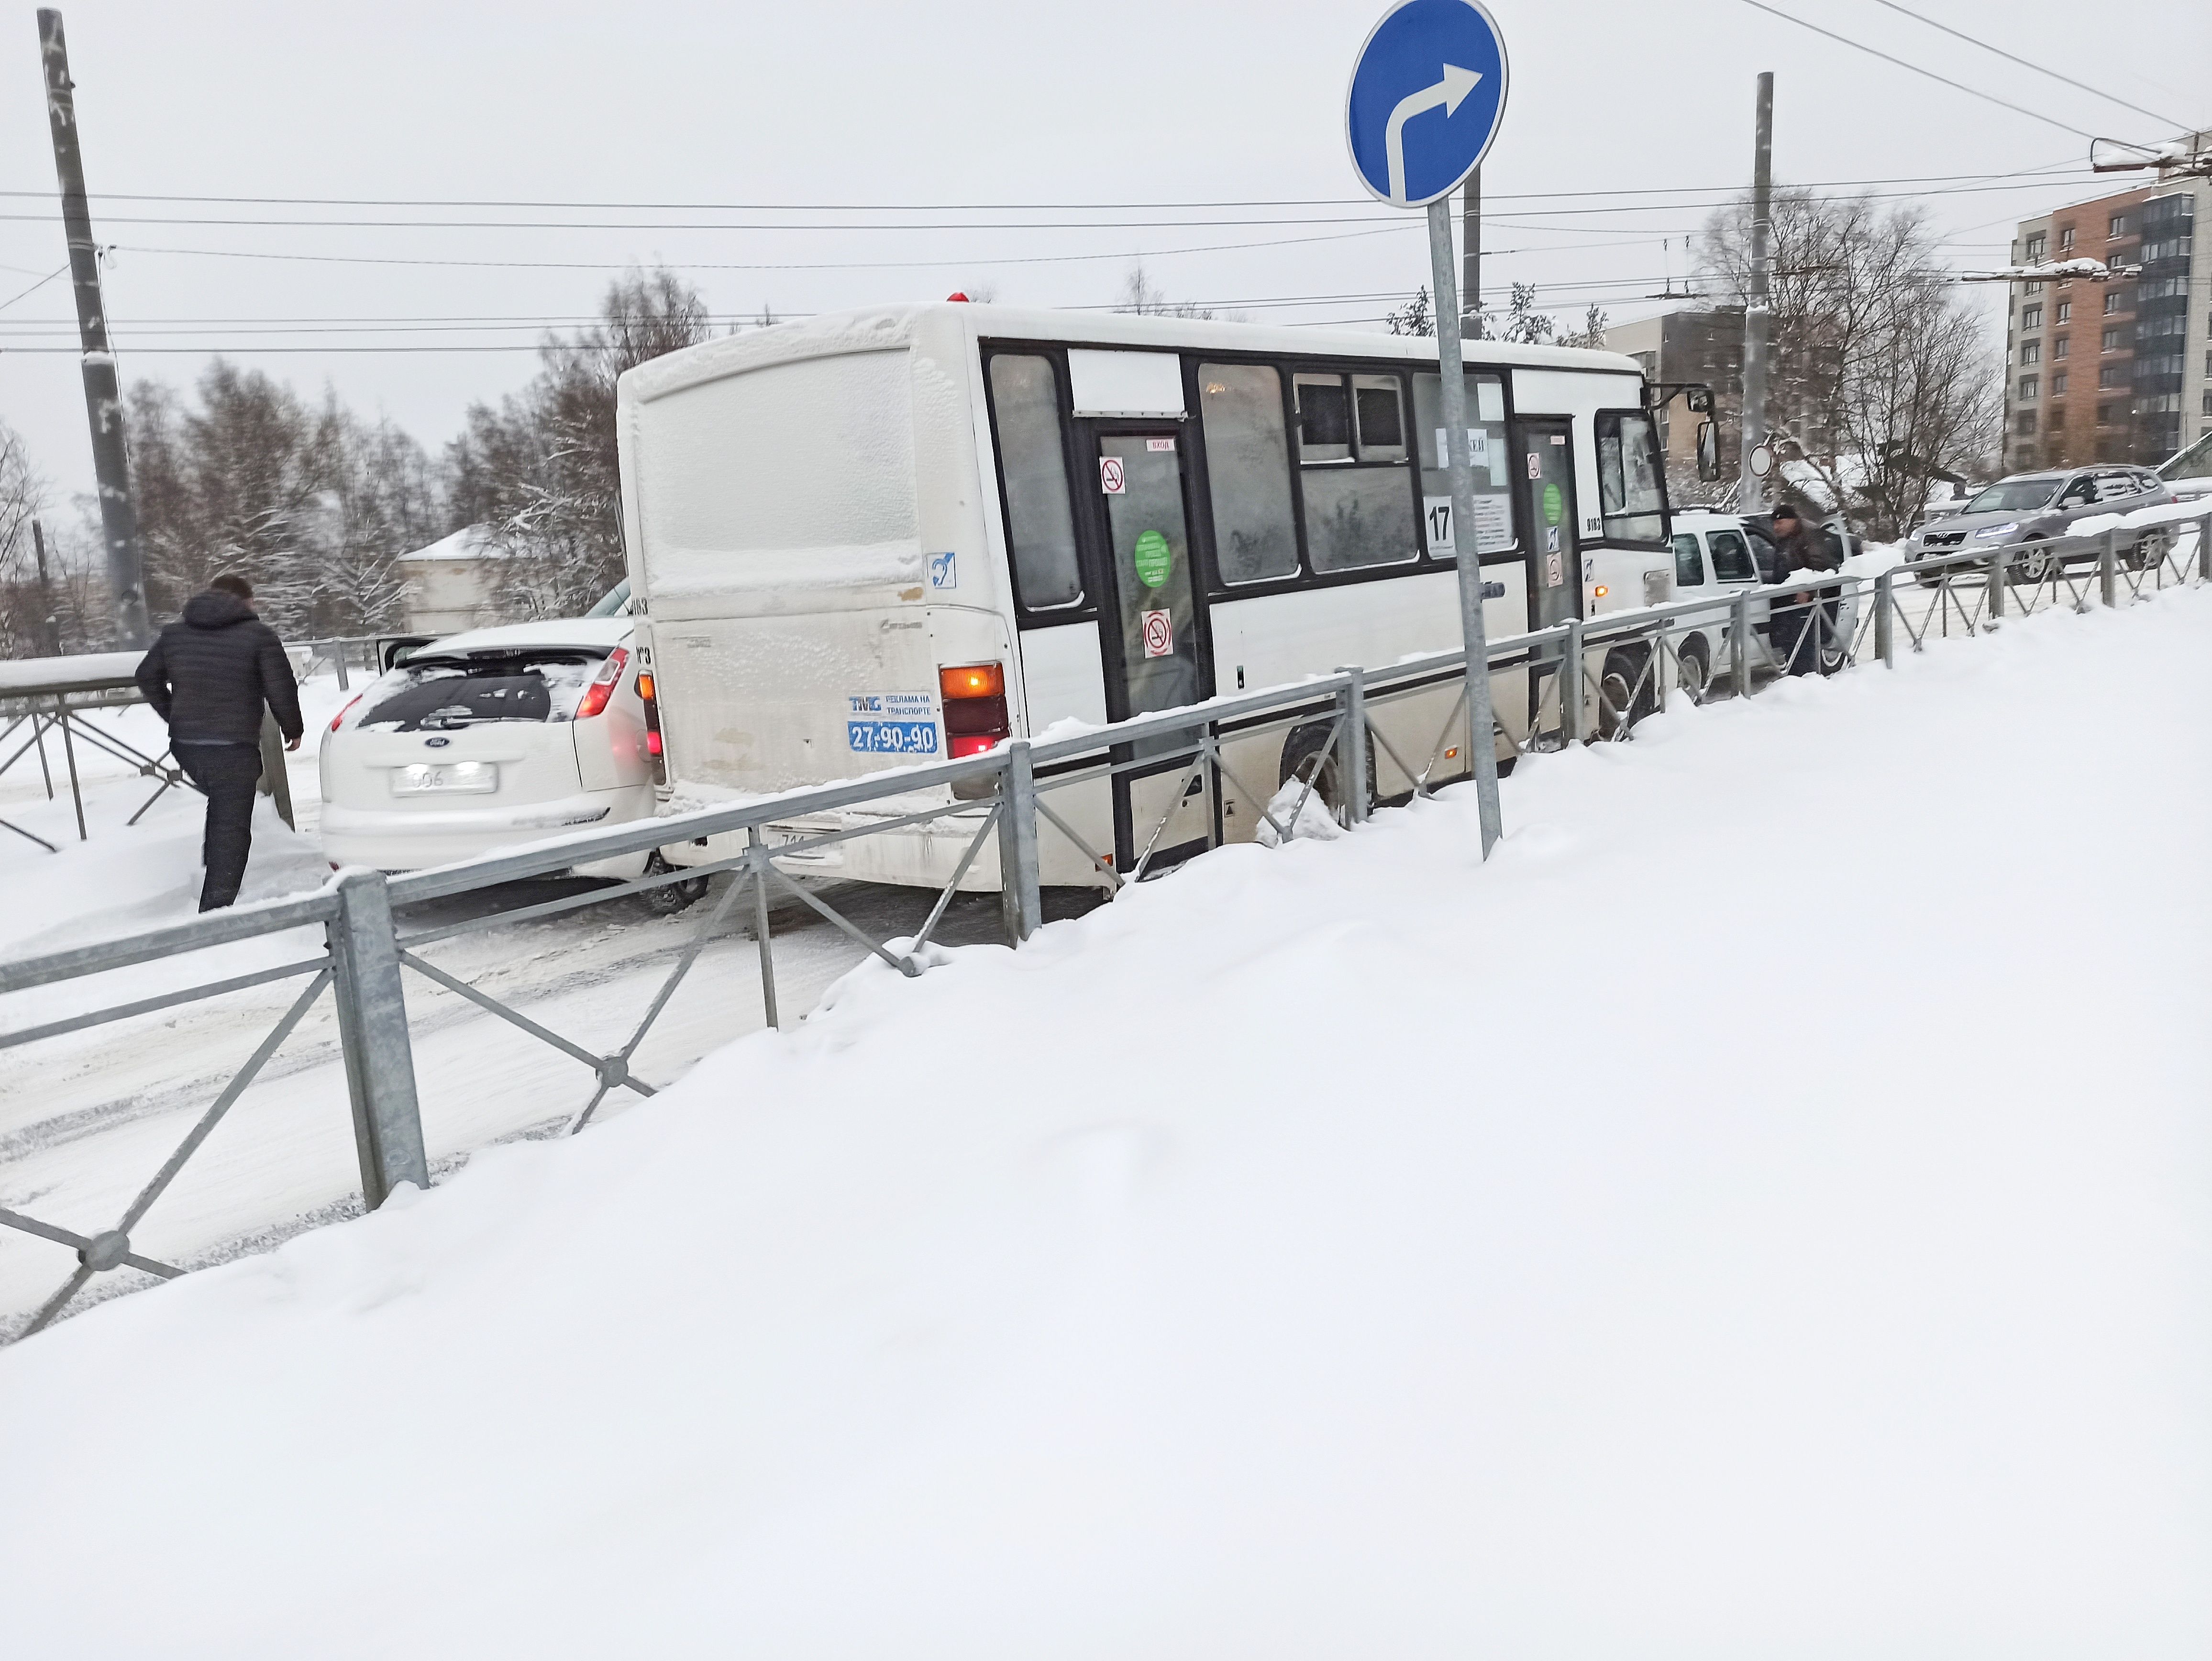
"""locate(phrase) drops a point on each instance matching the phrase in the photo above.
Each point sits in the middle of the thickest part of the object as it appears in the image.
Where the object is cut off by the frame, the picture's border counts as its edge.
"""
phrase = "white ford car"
(489, 740)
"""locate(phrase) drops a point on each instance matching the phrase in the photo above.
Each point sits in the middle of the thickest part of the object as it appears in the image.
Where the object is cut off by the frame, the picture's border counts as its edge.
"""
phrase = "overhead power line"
(968, 207)
(1971, 40)
(1903, 64)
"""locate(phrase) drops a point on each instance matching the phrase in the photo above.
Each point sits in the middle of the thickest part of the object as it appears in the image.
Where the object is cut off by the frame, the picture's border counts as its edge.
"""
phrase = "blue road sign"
(1427, 95)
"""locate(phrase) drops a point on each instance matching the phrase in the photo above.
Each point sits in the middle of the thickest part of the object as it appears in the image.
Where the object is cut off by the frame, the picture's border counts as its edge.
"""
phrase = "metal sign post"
(1427, 95)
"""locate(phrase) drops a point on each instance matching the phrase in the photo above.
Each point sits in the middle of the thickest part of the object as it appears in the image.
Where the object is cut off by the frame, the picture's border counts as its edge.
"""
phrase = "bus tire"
(1693, 668)
(1309, 757)
(1623, 700)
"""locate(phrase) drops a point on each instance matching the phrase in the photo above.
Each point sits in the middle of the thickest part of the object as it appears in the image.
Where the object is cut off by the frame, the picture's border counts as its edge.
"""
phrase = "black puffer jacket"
(208, 675)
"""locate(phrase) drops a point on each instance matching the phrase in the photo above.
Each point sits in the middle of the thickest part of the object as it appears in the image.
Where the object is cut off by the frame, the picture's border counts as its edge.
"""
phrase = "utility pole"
(103, 395)
(1751, 489)
(51, 627)
(1470, 235)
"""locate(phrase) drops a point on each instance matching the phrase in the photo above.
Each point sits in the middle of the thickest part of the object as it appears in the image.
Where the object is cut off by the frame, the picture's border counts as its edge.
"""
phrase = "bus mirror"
(1700, 400)
(1709, 451)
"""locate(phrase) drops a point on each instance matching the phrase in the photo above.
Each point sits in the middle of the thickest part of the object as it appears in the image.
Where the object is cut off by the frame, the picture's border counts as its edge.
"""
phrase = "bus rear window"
(1033, 462)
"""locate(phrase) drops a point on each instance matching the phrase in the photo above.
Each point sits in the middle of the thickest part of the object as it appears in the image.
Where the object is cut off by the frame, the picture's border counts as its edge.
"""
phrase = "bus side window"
(1359, 507)
(1033, 464)
(1247, 469)
(1493, 478)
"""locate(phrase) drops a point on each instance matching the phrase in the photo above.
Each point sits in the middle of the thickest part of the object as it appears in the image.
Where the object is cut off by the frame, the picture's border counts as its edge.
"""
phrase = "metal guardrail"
(1626, 665)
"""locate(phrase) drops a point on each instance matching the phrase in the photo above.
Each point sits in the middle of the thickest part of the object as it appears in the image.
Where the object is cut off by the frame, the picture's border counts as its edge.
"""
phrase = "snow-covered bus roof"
(884, 328)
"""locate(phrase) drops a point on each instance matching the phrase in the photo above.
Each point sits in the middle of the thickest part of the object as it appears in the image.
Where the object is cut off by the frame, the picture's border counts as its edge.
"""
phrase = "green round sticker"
(1553, 504)
(1151, 558)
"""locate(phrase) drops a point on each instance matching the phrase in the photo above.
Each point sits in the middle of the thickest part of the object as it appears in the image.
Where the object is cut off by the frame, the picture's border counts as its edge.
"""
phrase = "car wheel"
(2150, 550)
(2033, 566)
(1693, 668)
(668, 898)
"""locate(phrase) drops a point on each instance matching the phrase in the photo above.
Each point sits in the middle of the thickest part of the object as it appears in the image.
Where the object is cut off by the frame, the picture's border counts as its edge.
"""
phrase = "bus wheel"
(1309, 757)
(668, 898)
(1620, 704)
(1693, 669)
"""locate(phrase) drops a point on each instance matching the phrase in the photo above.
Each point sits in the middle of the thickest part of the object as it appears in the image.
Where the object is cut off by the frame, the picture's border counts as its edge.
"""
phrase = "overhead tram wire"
(1959, 34)
(1903, 64)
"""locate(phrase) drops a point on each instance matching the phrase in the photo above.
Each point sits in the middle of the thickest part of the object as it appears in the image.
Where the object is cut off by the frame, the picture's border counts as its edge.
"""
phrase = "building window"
(2031, 351)
(2036, 245)
(2057, 389)
(2031, 318)
(2108, 415)
(2112, 375)
(2066, 241)
(2208, 404)
(2111, 302)
(2028, 383)
(2024, 423)
(2112, 340)
(2058, 347)
(2117, 226)
(2065, 310)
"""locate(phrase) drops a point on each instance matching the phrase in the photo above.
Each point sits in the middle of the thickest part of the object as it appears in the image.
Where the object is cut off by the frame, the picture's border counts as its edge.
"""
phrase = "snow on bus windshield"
(434, 693)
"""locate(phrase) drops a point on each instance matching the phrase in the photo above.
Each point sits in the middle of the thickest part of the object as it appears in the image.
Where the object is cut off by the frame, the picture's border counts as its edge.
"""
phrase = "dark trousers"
(228, 773)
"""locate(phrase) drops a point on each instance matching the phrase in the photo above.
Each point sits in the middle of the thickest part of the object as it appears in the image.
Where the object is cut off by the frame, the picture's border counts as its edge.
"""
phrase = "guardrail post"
(2204, 549)
(2000, 561)
(339, 655)
(380, 1059)
(1739, 643)
(1019, 888)
(1570, 684)
(1885, 618)
(1660, 676)
(1353, 751)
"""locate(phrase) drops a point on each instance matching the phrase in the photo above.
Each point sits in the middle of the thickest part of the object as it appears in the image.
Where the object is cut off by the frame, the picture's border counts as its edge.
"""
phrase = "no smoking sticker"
(1109, 476)
(1159, 635)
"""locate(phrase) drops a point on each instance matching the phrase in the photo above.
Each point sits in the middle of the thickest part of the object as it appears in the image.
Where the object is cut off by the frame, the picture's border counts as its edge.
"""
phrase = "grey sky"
(1142, 102)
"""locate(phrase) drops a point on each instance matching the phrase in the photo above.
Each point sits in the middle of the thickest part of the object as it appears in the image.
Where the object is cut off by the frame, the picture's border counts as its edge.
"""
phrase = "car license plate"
(445, 778)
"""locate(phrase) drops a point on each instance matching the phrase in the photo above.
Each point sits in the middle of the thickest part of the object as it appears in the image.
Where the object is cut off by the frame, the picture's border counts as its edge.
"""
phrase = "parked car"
(490, 738)
(1715, 555)
(2029, 511)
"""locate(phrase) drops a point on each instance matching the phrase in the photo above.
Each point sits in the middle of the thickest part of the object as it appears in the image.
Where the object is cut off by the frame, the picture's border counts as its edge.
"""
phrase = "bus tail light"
(341, 715)
(601, 685)
(975, 697)
(648, 697)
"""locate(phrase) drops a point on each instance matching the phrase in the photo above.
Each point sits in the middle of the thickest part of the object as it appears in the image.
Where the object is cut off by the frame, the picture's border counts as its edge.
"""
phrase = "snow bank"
(1763, 1213)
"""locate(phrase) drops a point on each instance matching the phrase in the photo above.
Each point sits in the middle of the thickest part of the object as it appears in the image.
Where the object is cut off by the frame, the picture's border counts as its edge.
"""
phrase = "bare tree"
(1524, 323)
(1591, 335)
(542, 471)
(1416, 317)
(1142, 297)
(1880, 379)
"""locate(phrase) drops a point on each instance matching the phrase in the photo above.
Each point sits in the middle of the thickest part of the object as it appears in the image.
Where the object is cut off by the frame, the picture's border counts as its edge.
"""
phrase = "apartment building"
(2114, 371)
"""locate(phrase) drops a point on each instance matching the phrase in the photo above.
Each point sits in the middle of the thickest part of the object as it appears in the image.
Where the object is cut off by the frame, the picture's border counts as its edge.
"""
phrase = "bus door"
(1544, 474)
(1153, 655)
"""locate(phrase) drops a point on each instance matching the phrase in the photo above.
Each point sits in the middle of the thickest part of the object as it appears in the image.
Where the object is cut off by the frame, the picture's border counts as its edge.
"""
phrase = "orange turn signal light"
(1600, 591)
(974, 680)
(645, 686)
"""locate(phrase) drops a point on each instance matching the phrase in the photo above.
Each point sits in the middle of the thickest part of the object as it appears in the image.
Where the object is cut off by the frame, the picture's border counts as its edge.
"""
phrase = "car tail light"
(602, 686)
(974, 708)
(341, 715)
(648, 697)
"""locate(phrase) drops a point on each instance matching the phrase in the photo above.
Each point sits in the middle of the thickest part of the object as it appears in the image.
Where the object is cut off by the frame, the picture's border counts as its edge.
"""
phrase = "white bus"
(909, 531)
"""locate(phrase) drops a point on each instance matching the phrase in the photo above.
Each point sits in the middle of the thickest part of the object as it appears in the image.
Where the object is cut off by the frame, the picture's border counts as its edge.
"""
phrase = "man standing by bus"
(208, 676)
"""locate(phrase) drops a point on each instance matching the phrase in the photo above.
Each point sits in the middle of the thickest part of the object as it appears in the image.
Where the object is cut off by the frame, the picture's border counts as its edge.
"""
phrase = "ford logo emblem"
(437, 744)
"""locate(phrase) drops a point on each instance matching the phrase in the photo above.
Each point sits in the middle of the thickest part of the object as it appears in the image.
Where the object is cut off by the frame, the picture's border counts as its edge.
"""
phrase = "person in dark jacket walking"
(208, 676)
(1790, 629)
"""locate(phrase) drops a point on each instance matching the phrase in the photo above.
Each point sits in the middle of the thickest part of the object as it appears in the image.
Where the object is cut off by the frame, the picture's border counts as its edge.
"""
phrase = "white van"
(908, 533)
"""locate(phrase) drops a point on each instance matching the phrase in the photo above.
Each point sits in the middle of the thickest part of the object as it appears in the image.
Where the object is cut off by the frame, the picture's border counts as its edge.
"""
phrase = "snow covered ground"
(1765, 1212)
